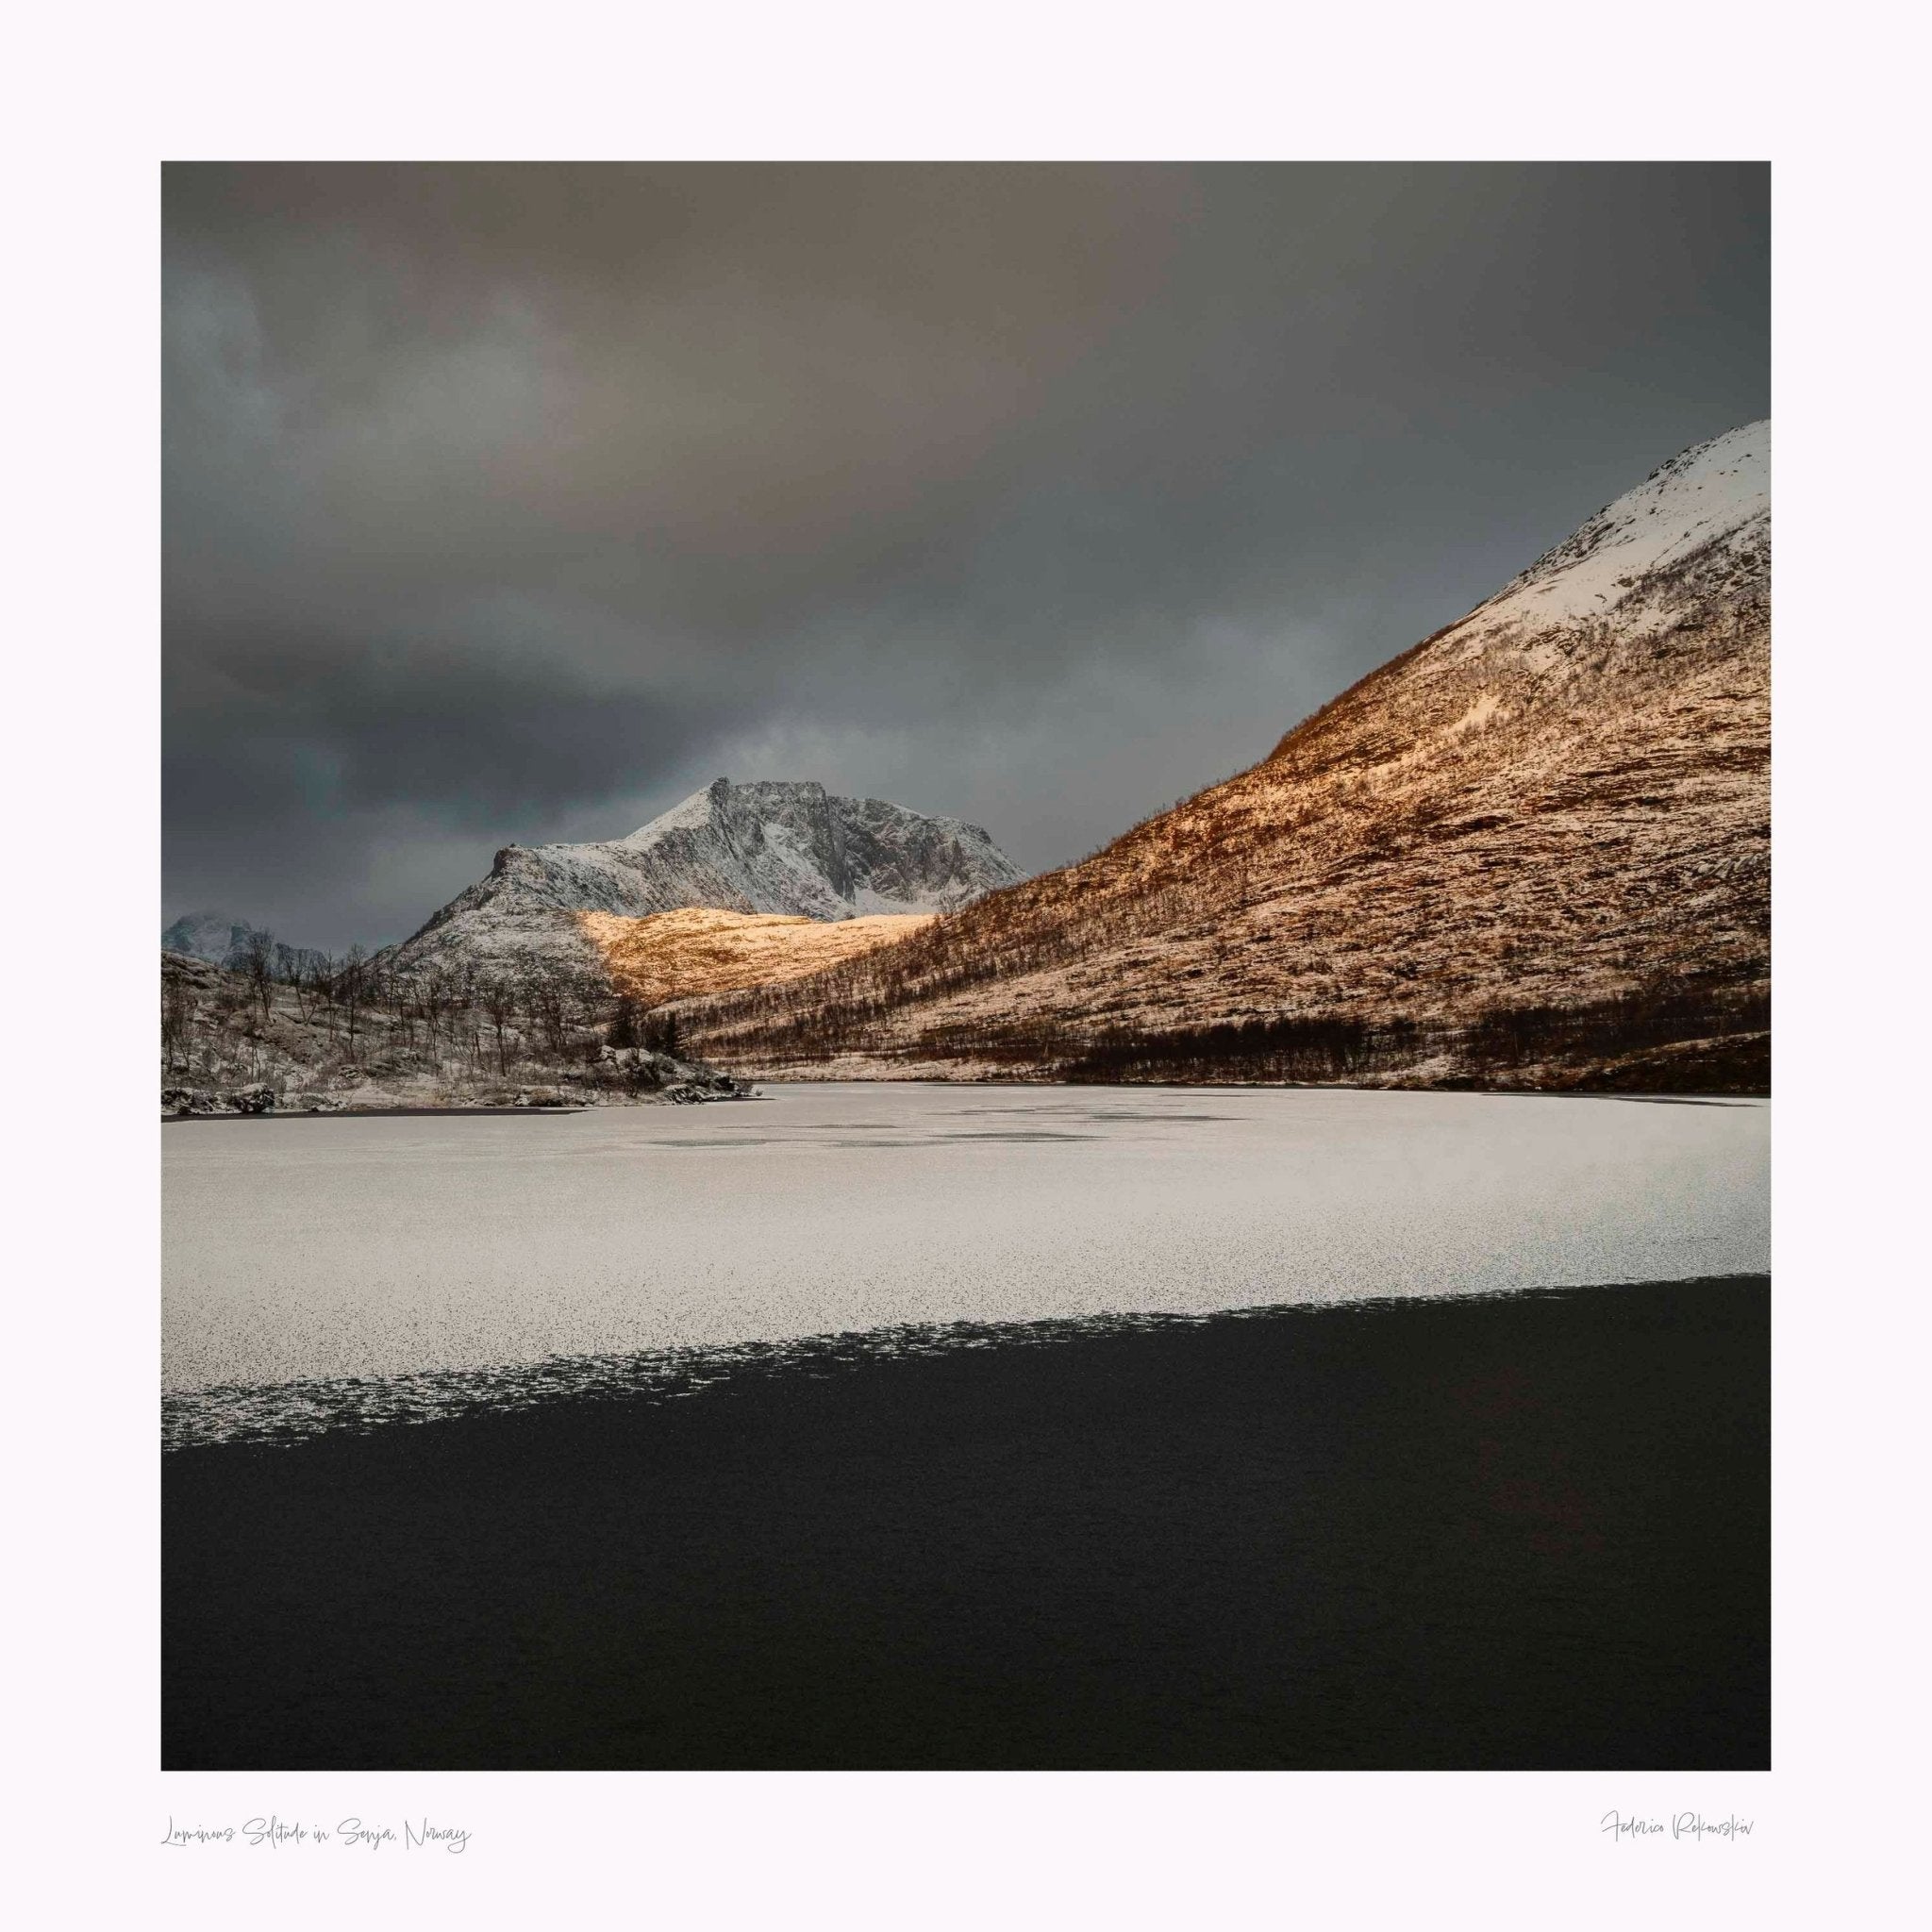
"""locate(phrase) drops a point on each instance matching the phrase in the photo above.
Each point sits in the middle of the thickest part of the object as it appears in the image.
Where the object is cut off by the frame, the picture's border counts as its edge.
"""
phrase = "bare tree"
(500, 1002)
(554, 1016)
(624, 1027)
(352, 988)
(434, 1001)
(322, 984)
(177, 1015)
(258, 963)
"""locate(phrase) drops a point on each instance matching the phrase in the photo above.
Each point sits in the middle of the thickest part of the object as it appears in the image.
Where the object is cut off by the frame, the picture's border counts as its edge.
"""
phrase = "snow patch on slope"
(1717, 493)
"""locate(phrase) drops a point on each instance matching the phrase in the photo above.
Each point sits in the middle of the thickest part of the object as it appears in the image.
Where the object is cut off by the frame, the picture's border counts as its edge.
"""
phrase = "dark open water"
(1521, 1531)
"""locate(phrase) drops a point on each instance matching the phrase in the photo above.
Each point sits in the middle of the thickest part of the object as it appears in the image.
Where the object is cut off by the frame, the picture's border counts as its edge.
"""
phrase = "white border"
(101, 95)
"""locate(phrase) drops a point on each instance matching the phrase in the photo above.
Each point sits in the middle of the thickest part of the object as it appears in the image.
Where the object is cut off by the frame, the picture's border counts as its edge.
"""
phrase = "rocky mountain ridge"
(766, 847)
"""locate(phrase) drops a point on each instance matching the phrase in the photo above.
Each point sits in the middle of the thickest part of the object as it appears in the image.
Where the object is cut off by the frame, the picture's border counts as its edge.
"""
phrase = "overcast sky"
(516, 502)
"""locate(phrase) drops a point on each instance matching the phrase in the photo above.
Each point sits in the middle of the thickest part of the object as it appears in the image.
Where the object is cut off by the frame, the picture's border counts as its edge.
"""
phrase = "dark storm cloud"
(515, 502)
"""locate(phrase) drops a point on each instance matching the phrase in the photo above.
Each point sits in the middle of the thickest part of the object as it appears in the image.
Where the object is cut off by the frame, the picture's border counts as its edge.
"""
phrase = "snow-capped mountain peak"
(786, 847)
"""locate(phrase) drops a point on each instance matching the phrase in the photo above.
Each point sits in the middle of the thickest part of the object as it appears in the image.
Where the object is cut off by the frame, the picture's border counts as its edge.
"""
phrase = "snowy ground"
(298, 1249)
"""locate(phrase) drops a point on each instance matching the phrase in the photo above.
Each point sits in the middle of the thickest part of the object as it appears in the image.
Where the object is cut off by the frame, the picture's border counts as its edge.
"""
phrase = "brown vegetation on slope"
(700, 949)
(1525, 853)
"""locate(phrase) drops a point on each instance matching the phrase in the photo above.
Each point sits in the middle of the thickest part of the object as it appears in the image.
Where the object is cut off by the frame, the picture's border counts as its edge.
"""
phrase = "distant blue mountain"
(223, 942)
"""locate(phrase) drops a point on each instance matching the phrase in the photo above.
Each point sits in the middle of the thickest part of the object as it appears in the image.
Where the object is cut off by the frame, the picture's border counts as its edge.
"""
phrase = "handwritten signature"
(1691, 1824)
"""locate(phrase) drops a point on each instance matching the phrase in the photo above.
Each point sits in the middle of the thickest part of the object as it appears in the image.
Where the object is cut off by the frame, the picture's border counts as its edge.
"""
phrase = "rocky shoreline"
(690, 1086)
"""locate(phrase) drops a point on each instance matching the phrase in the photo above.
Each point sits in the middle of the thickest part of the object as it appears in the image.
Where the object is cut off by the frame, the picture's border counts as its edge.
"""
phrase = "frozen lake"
(311, 1249)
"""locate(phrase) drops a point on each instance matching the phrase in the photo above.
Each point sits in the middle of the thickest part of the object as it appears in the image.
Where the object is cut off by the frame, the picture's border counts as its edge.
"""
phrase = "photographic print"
(966, 967)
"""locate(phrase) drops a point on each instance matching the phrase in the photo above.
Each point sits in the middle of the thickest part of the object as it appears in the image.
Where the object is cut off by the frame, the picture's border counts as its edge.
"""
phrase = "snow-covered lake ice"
(303, 1250)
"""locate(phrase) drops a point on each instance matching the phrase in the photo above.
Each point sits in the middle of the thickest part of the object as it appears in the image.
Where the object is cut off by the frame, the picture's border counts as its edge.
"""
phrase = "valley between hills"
(1533, 852)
